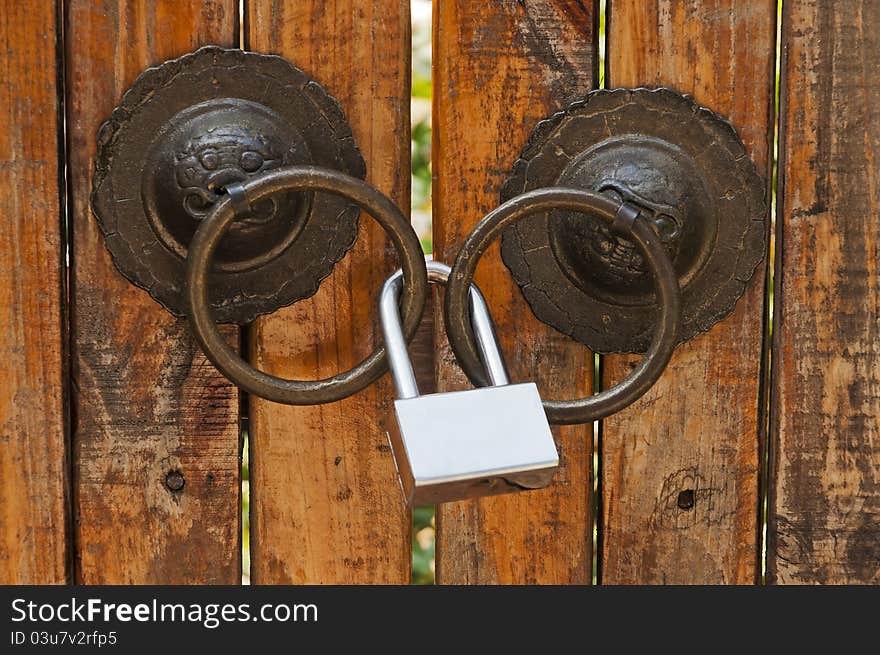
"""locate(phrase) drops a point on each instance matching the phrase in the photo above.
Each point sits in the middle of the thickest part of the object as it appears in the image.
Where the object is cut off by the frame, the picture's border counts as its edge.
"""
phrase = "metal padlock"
(463, 444)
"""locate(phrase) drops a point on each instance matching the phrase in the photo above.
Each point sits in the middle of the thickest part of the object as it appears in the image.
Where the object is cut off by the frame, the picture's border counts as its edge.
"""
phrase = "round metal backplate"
(688, 171)
(191, 126)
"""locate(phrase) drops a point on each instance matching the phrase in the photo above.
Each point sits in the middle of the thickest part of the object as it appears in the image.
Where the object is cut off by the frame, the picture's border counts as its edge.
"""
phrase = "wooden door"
(754, 458)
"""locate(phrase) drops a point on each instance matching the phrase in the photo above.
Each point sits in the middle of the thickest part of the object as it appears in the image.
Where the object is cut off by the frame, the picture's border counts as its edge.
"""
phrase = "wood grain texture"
(422, 350)
(499, 68)
(33, 458)
(824, 519)
(146, 401)
(697, 430)
(326, 502)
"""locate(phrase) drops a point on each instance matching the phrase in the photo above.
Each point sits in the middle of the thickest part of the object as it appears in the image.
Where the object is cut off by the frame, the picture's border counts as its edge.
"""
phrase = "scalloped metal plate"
(211, 117)
(681, 162)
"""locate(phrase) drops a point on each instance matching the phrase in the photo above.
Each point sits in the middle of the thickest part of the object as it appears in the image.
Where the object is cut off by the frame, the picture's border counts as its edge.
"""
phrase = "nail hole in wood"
(686, 499)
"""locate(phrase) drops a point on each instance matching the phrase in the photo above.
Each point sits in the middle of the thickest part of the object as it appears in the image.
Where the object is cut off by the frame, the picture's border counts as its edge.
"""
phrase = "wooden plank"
(499, 68)
(824, 519)
(422, 351)
(33, 459)
(326, 503)
(147, 404)
(697, 430)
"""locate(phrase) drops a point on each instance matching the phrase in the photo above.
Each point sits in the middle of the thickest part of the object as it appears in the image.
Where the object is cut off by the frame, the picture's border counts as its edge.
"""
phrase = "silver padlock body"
(466, 444)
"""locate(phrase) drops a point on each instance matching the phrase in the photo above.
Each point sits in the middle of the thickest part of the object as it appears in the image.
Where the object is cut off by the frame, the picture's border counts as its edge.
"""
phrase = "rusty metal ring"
(619, 215)
(208, 237)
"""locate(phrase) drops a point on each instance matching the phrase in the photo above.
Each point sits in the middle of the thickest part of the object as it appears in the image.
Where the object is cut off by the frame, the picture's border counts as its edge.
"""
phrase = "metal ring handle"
(208, 237)
(623, 220)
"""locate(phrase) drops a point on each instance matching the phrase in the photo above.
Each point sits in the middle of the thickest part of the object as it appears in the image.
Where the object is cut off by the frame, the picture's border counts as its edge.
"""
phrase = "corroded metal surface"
(687, 170)
(188, 128)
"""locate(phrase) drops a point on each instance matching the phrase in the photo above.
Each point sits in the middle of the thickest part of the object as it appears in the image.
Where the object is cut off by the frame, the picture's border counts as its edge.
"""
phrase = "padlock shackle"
(486, 337)
(395, 344)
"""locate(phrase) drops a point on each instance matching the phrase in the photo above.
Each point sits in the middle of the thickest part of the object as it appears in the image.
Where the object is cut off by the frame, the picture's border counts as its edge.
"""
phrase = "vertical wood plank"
(499, 68)
(326, 503)
(147, 403)
(698, 429)
(824, 523)
(33, 458)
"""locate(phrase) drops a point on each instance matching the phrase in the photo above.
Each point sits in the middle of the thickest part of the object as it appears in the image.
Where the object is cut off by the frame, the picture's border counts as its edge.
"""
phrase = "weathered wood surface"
(147, 405)
(824, 518)
(326, 503)
(33, 458)
(680, 468)
(499, 67)
(421, 349)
